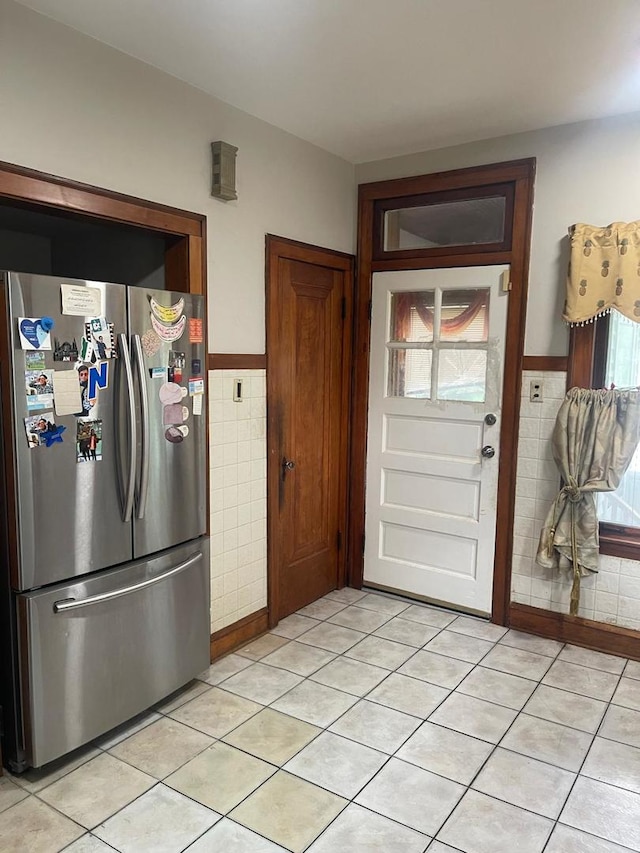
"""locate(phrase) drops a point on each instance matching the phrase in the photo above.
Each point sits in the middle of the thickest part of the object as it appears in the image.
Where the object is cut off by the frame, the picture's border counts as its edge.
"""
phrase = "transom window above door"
(437, 344)
(431, 225)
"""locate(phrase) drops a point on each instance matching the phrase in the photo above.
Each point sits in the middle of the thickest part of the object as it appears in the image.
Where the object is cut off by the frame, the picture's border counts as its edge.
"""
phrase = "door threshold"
(433, 602)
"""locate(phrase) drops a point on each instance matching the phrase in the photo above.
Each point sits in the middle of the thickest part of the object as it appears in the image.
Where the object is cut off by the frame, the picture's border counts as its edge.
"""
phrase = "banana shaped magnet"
(169, 333)
(167, 314)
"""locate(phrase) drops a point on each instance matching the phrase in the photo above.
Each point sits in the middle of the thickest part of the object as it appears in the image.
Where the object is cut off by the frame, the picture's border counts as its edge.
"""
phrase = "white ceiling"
(368, 79)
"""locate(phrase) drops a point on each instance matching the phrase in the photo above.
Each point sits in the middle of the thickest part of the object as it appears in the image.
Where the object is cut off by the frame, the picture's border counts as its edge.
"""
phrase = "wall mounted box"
(223, 183)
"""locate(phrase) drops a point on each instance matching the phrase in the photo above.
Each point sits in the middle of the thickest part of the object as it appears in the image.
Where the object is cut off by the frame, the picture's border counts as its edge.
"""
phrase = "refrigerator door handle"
(74, 603)
(144, 436)
(127, 509)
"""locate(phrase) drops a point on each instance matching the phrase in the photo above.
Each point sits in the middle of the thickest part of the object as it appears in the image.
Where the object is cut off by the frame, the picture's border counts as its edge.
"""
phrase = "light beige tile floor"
(362, 724)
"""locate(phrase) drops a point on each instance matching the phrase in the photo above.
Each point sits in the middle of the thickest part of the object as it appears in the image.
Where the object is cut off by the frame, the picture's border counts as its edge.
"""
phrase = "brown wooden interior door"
(308, 350)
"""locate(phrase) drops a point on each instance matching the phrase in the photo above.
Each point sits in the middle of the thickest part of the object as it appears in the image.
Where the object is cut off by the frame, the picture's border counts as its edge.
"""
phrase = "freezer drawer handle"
(73, 604)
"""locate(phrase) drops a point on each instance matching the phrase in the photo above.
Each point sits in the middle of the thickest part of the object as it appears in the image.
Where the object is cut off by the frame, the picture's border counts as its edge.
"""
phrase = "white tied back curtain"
(594, 439)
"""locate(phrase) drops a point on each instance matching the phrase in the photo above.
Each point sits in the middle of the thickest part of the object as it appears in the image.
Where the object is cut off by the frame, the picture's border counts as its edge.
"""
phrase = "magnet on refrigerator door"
(53, 434)
(34, 360)
(87, 352)
(80, 301)
(69, 391)
(170, 392)
(39, 389)
(174, 413)
(195, 330)
(197, 405)
(158, 372)
(65, 351)
(196, 386)
(196, 366)
(177, 363)
(100, 334)
(89, 441)
(168, 333)
(167, 314)
(98, 378)
(176, 434)
(35, 332)
(42, 431)
(34, 426)
(151, 343)
(87, 401)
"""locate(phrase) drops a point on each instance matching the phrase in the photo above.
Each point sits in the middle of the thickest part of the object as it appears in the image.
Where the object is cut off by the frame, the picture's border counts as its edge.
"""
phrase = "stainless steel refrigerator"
(105, 571)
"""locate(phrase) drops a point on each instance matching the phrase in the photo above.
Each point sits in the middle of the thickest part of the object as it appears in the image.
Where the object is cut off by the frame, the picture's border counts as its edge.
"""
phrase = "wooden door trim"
(522, 174)
(22, 184)
(185, 257)
(282, 248)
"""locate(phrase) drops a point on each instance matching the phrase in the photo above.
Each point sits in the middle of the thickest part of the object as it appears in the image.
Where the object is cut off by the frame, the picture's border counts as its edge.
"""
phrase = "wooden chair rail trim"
(546, 363)
(237, 361)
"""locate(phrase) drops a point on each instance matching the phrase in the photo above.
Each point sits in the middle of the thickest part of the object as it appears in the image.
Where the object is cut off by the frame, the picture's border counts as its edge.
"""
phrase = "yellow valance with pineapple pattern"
(604, 272)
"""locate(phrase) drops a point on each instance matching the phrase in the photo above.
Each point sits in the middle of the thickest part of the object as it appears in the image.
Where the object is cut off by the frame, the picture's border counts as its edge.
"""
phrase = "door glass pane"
(465, 315)
(412, 316)
(467, 222)
(462, 375)
(409, 373)
(623, 369)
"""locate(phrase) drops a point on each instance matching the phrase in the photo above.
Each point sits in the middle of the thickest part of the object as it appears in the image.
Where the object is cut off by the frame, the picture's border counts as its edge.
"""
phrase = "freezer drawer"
(96, 652)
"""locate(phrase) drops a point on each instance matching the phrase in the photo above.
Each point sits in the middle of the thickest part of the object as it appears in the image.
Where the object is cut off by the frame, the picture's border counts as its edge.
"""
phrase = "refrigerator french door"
(170, 505)
(106, 593)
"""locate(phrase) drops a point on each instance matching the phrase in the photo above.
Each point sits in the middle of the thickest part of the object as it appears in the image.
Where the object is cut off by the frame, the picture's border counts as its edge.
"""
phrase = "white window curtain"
(594, 439)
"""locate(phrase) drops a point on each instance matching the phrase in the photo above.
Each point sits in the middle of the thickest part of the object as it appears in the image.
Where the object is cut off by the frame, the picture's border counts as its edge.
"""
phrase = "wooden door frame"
(278, 248)
(185, 260)
(521, 174)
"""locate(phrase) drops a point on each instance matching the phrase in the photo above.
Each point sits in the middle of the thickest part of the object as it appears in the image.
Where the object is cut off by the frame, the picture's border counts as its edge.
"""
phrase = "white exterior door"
(437, 352)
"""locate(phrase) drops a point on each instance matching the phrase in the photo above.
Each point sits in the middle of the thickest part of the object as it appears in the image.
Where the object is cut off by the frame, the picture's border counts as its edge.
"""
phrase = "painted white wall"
(74, 107)
(586, 172)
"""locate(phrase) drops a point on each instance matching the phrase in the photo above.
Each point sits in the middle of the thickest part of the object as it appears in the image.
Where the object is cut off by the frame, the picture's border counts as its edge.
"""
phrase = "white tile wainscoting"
(612, 595)
(238, 463)
(237, 436)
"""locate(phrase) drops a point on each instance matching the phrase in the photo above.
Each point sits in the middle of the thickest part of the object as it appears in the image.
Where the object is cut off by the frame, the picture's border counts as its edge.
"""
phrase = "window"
(604, 352)
(437, 344)
(430, 225)
(468, 222)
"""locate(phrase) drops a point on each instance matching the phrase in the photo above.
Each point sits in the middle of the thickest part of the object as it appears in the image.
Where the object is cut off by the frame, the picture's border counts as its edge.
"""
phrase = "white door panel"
(422, 491)
(437, 348)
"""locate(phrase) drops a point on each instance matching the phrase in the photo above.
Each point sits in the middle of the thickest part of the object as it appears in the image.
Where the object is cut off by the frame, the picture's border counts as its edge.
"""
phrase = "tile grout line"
(361, 698)
(453, 690)
(495, 746)
(326, 728)
(364, 697)
(582, 763)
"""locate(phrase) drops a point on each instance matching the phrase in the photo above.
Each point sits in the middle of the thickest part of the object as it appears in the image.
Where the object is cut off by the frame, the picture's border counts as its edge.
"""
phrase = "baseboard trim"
(237, 634)
(599, 636)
